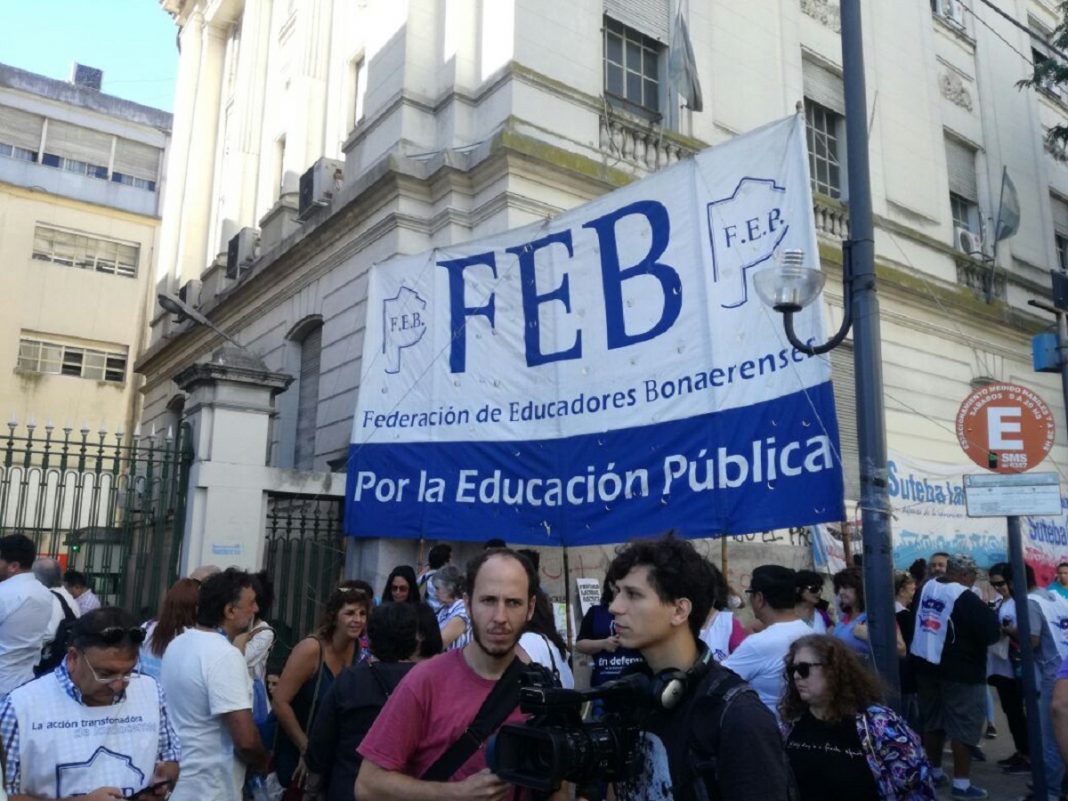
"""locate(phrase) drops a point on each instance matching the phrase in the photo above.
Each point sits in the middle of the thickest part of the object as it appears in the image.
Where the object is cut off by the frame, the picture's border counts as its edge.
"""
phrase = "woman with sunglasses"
(811, 607)
(842, 743)
(401, 586)
(310, 671)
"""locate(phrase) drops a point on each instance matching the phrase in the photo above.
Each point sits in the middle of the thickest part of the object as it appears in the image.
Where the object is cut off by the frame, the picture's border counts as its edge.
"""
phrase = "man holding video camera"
(428, 741)
(708, 734)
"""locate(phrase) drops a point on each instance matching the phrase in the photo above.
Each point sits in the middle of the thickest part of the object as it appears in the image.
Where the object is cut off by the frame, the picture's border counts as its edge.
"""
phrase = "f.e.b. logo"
(403, 324)
(745, 229)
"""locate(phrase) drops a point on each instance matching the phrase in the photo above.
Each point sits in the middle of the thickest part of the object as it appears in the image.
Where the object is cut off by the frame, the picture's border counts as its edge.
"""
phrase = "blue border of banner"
(754, 433)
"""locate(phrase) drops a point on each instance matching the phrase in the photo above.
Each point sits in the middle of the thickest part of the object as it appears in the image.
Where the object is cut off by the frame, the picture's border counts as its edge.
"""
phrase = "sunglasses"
(359, 591)
(801, 669)
(816, 588)
(114, 635)
(998, 583)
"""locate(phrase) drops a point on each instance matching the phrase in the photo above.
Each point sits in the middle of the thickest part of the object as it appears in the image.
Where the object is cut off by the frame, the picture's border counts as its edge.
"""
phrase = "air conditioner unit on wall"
(953, 11)
(189, 294)
(242, 251)
(318, 185)
(968, 242)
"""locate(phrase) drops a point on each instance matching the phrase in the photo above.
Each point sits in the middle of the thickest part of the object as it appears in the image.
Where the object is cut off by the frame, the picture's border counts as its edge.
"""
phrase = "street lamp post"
(861, 311)
(868, 365)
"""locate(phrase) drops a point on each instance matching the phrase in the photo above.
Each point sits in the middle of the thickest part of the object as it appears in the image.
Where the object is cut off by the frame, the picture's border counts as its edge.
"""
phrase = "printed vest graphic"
(68, 749)
(1055, 610)
(932, 620)
(403, 324)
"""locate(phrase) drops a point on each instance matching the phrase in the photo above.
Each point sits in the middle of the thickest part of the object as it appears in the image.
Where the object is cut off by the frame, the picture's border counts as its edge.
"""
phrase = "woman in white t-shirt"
(543, 644)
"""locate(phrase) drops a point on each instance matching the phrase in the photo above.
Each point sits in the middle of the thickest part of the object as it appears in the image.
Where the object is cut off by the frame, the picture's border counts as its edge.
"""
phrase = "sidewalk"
(987, 774)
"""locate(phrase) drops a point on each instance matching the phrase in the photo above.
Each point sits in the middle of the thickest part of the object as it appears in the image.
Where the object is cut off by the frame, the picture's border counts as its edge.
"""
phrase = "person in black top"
(597, 638)
(841, 742)
(708, 736)
(353, 702)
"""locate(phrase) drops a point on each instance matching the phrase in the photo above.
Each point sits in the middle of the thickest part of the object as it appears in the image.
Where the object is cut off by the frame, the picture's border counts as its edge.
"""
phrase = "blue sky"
(133, 41)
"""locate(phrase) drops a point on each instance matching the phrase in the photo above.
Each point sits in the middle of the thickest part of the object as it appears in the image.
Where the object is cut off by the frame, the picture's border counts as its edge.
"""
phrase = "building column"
(229, 407)
(194, 250)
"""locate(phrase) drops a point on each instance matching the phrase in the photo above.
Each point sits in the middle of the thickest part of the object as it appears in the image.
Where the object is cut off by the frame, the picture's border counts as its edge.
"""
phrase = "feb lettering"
(645, 274)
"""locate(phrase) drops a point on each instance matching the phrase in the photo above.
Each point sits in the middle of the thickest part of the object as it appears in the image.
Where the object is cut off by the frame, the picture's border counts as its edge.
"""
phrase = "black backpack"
(723, 688)
(54, 652)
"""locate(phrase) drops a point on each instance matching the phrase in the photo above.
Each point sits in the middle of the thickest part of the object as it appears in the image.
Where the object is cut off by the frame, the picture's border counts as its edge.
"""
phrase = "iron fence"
(110, 506)
(304, 559)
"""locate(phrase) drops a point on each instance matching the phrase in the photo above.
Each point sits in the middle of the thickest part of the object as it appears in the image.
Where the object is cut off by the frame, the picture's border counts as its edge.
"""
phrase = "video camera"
(556, 745)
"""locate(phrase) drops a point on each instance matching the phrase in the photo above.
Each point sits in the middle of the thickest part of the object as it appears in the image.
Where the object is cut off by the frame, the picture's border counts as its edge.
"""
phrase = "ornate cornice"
(954, 90)
(825, 12)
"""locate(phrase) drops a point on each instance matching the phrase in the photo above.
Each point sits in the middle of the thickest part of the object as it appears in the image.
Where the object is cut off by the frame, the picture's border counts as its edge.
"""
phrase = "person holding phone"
(126, 743)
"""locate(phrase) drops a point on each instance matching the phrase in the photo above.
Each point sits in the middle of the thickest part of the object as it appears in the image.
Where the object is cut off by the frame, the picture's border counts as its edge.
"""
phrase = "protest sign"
(605, 374)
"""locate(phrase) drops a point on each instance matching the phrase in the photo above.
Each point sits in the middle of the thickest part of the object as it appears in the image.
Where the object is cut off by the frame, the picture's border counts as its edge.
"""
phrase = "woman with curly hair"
(842, 743)
(310, 670)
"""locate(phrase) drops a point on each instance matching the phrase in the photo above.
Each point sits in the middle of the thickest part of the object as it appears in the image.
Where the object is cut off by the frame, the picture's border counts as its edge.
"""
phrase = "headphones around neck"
(669, 687)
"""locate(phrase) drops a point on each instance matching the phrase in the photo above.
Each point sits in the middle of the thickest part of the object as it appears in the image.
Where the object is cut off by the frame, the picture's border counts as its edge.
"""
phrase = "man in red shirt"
(436, 702)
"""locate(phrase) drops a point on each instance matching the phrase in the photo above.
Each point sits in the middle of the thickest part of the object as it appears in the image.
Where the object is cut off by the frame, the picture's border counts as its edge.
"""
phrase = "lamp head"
(169, 303)
(786, 284)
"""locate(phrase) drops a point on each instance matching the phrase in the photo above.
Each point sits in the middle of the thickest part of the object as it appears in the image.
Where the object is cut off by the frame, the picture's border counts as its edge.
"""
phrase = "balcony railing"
(646, 147)
(832, 217)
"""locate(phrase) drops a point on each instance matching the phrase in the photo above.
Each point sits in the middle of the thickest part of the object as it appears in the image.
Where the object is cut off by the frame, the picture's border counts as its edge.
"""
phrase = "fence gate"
(113, 510)
(304, 559)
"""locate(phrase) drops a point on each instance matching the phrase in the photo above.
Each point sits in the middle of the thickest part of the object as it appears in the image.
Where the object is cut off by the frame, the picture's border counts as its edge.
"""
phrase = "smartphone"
(150, 791)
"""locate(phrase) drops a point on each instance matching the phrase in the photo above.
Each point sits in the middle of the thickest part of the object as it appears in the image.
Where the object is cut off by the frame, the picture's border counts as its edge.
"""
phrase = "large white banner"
(927, 499)
(605, 374)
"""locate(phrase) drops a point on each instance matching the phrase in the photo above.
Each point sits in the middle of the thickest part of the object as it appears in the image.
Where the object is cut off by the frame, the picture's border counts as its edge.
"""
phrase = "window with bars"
(86, 252)
(825, 130)
(77, 149)
(359, 90)
(1042, 52)
(17, 153)
(965, 213)
(308, 398)
(632, 68)
(1059, 209)
(55, 358)
(134, 181)
(963, 184)
(75, 165)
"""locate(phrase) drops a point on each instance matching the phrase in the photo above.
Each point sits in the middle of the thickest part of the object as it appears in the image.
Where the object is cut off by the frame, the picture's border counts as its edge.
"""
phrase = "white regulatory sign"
(1004, 495)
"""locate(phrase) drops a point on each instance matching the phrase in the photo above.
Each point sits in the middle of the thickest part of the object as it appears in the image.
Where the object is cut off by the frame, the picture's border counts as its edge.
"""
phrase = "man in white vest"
(1048, 616)
(208, 683)
(92, 728)
(953, 629)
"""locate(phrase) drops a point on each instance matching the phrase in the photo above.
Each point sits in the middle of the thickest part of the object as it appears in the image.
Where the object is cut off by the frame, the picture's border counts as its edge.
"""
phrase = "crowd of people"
(396, 694)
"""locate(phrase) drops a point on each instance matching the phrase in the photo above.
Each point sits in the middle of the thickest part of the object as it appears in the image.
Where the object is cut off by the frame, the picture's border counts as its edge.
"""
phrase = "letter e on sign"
(1005, 428)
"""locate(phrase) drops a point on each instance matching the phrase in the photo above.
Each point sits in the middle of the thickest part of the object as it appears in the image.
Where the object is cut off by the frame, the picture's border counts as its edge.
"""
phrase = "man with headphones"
(709, 736)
